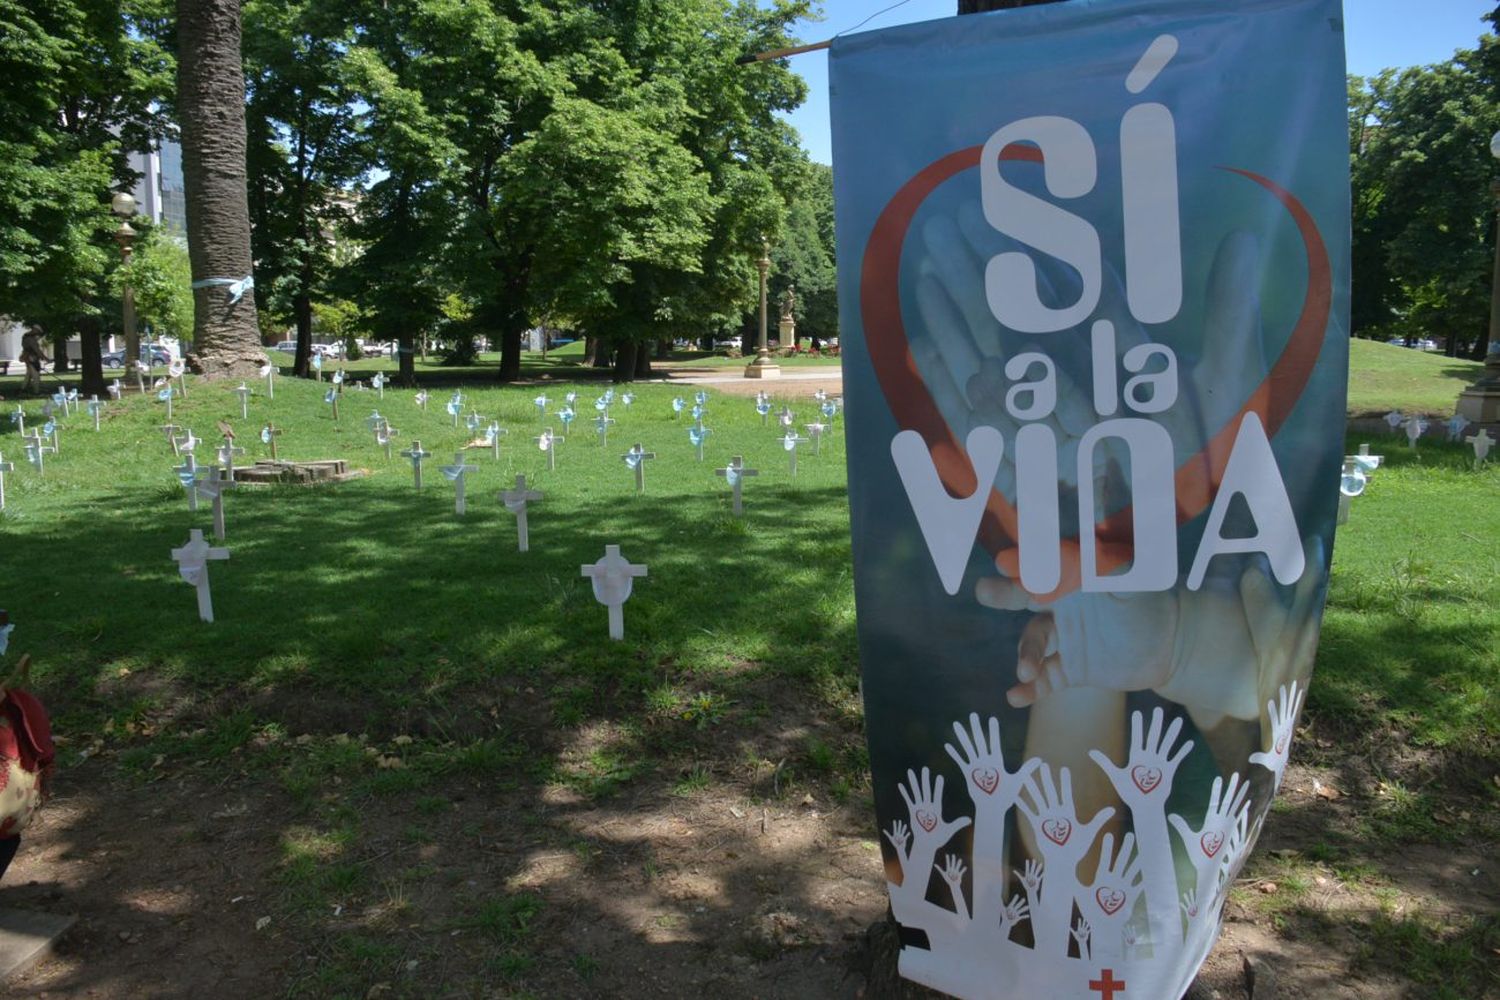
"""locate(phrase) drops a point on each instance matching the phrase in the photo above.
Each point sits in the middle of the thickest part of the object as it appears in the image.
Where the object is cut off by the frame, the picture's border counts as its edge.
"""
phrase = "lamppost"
(1480, 402)
(123, 205)
(762, 366)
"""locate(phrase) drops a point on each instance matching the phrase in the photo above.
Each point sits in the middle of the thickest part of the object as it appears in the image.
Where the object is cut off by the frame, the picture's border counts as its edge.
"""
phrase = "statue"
(32, 356)
(789, 304)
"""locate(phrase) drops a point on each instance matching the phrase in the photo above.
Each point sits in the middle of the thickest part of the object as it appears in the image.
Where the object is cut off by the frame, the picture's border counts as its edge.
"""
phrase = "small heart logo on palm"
(1145, 778)
(987, 778)
(926, 820)
(1281, 743)
(1057, 830)
(1109, 900)
(1211, 842)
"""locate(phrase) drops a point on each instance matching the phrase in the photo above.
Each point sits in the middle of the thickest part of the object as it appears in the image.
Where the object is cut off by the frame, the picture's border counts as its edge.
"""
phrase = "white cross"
(785, 418)
(4, 468)
(698, 435)
(268, 372)
(456, 472)
(1414, 428)
(378, 381)
(332, 399)
(18, 417)
(95, 408)
(375, 421)
(548, 442)
(187, 443)
(613, 578)
(1482, 443)
(515, 501)
(51, 428)
(1369, 462)
(601, 425)
(170, 430)
(227, 450)
(636, 458)
(815, 431)
(1394, 419)
(192, 562)
(383, 435)
(416, 454)
(492, 435)
(1456, 426)
(114, 389)
(192, 477)
(541, 406)
(167, 398)
(35, 450)
(790, 443)
(455, 407)
(244, 393)
(421, 398)
(735, 474)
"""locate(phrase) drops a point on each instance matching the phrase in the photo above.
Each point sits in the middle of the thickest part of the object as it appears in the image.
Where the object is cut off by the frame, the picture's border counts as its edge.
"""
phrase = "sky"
(1378, 34)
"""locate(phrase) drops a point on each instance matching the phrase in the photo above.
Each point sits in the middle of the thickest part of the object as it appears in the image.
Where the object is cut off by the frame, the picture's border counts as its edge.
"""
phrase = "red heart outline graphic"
(1211, 842)
(926, 820)
(1281, 742)
(1109, 900)
(1057, 830)
(1145, 778)
(987, 778)
(1196, 480)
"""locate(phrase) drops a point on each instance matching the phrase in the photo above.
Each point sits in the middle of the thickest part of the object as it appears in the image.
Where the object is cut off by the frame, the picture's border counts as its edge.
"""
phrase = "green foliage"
(805, 259)
(162, 278)
(1424, 215)
(80, 89)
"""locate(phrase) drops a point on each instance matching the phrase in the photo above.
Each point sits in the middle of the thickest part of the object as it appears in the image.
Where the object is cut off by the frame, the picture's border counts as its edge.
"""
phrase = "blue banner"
(1093, 284)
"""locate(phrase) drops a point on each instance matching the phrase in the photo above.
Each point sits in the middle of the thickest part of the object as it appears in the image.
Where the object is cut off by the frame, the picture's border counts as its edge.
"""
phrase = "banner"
(1093, 282)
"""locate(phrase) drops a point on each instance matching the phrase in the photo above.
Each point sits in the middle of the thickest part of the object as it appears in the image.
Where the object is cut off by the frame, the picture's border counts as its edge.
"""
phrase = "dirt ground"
(728, 878)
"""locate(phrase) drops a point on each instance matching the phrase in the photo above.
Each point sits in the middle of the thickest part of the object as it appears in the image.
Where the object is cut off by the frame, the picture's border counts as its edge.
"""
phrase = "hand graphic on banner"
(1282, 714)
(1108, 902)
(1063, 841)
(1208, 846)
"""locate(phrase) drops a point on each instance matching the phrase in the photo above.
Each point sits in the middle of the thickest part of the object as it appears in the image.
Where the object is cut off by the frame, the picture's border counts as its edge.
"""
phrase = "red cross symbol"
(1107, 985)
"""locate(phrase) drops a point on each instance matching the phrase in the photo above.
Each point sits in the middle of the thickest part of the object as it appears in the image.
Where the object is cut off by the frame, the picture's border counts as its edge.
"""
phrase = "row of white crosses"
(1416, 425)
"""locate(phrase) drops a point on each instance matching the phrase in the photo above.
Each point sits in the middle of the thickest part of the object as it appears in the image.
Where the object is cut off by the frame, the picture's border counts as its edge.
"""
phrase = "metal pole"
(762, 351)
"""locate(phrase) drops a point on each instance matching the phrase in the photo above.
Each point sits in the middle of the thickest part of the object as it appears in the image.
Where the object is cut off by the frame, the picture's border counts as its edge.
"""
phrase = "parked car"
(329, 350)
(150, 356)
(1420, 343)
(289, 346)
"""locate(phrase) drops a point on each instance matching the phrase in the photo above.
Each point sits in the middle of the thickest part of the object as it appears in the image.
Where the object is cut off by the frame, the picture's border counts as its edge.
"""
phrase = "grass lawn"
(1384, 377)
(417, 707)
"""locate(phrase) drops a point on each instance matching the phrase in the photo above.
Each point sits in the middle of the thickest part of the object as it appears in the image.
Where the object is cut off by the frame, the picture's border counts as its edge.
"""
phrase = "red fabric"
(31, 732)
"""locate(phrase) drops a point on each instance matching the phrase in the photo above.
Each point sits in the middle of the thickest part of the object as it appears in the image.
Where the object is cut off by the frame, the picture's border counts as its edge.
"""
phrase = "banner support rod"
(796, 50)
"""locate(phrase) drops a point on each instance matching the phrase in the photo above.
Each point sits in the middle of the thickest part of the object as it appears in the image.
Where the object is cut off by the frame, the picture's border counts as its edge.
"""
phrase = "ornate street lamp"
(762, 366)
(123, 205)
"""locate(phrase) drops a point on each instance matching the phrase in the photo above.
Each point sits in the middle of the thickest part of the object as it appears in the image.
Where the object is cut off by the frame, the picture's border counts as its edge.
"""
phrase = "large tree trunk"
(510, 349)
(211, 112)
(59, 353)
(407, 359)
(625, 361)
(91, 358)
(302, 311)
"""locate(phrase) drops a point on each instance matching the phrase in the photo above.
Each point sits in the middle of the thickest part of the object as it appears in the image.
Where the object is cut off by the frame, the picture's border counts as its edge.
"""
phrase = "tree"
(303, 134)
(82, 82)
(804, 258)
(211, 112)
(1423, 211)
(160, 275)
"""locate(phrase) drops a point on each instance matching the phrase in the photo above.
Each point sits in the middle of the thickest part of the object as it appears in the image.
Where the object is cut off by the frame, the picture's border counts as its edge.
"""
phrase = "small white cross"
(613, 578)
(636, 459)
(4, 468)
(456, 472)
(601, 425)
(492, 435)
(36, 450)
(1482, 443)
(735, 474)
(378, 381)
(547, 442)
(187, 443)
(790, 443)
(191, 477)
(383, 435)
(815, 431)
(244, 393)
(268, 372)
(416, 454)
(421, 398)
(227, 450)
(332, 399)
(268, 436)
(114, 389)
(785, 418)
(515, 501)
(1457, 424)
(1414, 427)
(192, 562)
(95, 408)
